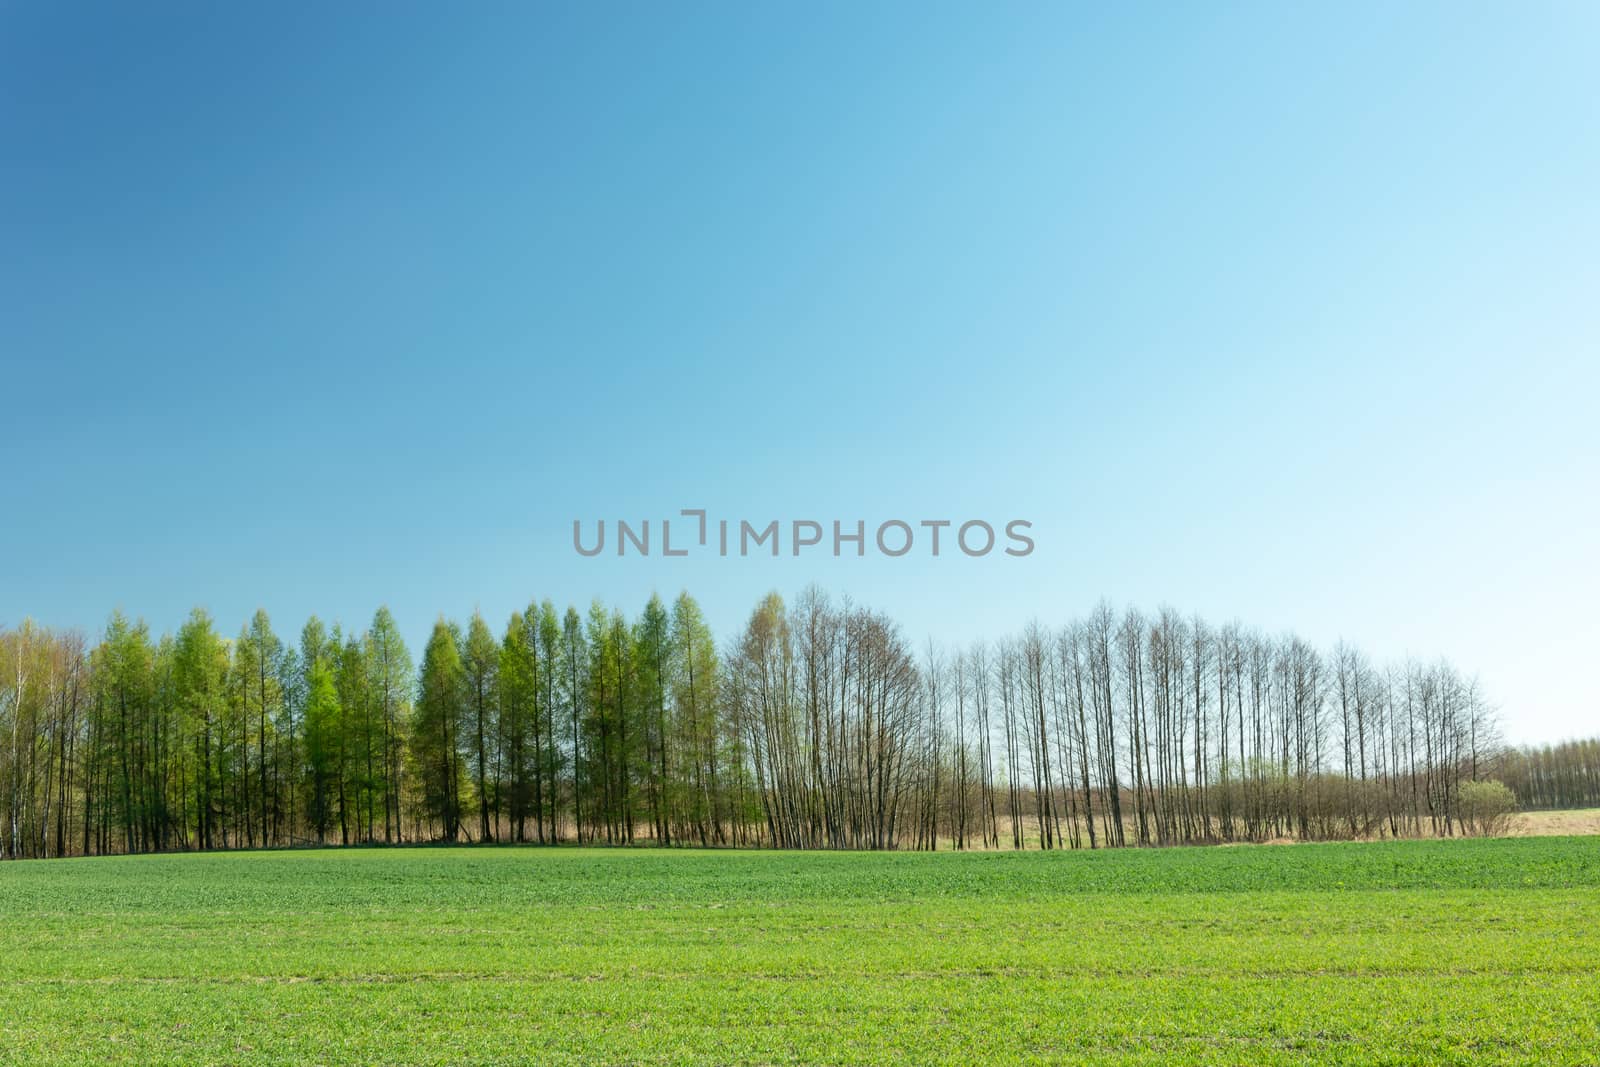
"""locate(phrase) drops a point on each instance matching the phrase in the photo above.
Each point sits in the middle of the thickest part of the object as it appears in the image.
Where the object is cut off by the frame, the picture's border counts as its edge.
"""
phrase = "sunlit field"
(1413, 952)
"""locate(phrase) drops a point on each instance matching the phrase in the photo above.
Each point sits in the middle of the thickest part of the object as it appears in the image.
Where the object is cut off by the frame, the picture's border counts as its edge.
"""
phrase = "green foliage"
(519, 721)
(390, 680)
(437, 734)
(322, 721)
(480, 661)
(819, 727)
(199, 673)
(1467, 951)
(1486, 807)
(701, 752)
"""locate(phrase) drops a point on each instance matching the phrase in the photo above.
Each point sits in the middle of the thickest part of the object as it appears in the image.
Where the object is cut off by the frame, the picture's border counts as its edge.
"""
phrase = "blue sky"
(1263, 312)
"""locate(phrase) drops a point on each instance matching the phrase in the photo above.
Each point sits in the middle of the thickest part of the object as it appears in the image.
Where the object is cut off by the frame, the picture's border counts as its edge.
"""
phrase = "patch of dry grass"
(1556, 823)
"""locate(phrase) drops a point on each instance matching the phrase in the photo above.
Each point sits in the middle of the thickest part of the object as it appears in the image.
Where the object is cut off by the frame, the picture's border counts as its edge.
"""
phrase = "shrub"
(1486, 808)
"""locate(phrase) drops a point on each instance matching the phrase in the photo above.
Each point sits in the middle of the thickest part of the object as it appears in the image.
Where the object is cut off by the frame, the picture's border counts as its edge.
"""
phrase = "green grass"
(1410, 952)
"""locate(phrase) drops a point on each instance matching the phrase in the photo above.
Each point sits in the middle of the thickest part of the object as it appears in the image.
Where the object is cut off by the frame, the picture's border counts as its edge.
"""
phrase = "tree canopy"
(817, 725)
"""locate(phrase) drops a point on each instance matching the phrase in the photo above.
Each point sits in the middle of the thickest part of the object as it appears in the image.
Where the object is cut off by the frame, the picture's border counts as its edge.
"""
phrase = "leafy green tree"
(441, 687)
(357, 740)
(389, 666)
(609, 655)
(519, 725)
(322, 717)
(652, 641)
(626, 692)
(480, 659)
(165, 773)
(318, 781)
(200, 670)
(545, 630)
(123, 672)
(574, 678)
(258, 690)
(289, 742)
(694, 679)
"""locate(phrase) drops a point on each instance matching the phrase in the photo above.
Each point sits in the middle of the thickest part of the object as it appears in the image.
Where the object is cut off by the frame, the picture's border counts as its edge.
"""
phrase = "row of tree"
(1555, 776)
(817, 726)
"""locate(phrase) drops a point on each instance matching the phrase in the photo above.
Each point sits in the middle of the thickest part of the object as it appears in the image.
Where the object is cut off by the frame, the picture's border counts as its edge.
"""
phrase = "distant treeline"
(1555, 776)
(817, 726)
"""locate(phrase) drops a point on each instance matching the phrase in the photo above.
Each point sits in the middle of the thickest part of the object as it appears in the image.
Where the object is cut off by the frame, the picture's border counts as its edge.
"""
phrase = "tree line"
(818, 725)
(1566, 775)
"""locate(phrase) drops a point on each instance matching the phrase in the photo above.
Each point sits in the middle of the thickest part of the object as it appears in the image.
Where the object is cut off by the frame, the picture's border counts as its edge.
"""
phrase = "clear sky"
(1260, 311)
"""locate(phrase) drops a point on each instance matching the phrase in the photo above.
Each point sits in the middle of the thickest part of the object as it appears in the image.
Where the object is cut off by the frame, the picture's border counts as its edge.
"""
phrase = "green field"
(1412, 952)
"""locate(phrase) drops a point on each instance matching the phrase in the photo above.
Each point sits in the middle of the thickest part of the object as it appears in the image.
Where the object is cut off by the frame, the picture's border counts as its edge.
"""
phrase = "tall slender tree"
(440, 698)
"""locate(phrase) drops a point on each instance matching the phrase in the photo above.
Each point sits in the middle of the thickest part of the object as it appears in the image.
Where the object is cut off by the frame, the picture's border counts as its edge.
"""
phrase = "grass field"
(1406, 952)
